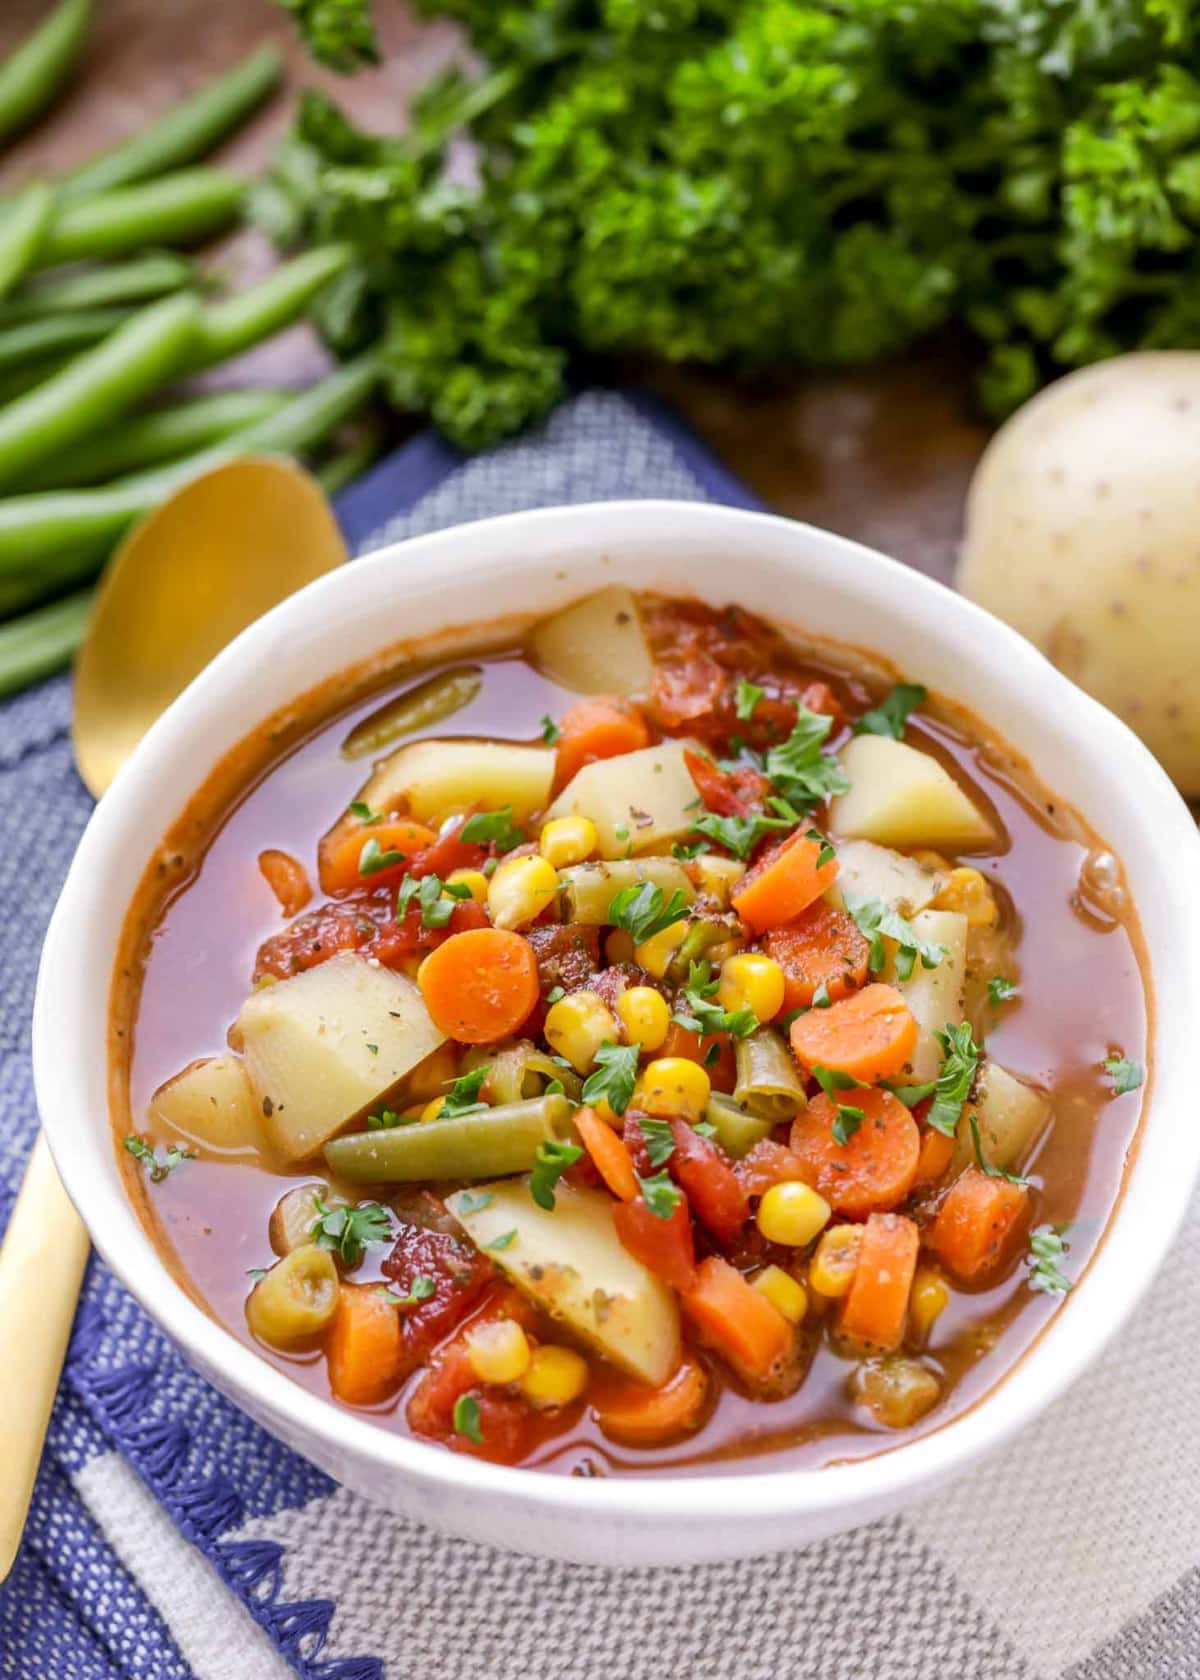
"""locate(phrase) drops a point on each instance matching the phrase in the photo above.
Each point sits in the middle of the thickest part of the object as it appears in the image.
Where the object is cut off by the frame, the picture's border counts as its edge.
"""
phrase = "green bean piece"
(31, 76)
(137, 281)
(21, 230)
(233, 325)
(98, 385)
(147, 440)
(340, 470)
(699, 939)
(519, 1070)
(188, 131)
(296, 1298)
(41, 642)
(736, 1131)
(18, 380)
(57, 335)
(421, 707)
(768, 1083)
(489, 1144)
(589, 888)
(176, 209)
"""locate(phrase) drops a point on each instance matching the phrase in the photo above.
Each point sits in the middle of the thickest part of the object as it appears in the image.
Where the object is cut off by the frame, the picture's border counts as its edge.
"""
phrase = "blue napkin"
(163, 1539)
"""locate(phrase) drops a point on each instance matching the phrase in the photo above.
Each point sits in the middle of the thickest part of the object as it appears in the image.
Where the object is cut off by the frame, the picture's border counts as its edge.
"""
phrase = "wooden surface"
(881, 455)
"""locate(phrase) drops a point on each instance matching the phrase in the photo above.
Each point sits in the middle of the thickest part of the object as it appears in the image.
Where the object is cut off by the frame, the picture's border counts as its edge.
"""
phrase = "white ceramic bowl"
(533, 562)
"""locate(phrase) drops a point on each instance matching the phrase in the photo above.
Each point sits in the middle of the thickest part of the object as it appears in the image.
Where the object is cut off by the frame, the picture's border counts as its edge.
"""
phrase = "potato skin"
(1083, 531)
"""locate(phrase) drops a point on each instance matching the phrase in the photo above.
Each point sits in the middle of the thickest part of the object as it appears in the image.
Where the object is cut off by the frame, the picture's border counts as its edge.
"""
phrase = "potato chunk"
(571, 1264)
(212, 1103)
(640, 802)
(324, 1045)
(869, 871)
(433, 780)
(901, 797)
(596, 646)
(935, 995)
(1011, 1117)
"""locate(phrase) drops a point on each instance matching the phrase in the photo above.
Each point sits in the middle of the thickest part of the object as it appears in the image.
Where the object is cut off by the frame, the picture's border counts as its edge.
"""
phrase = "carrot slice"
(640, 1416)
(609, 1155)
(875, 1307)
(480, 986)
(937, 1151)
(874, 1170)
(783, 883)
(739, 1322)
(352, 861)
(870, 1034)
(365, 1345)
(822, 947)
(603, 727)
(287, 878)
(721, 1068)
(976, 1225)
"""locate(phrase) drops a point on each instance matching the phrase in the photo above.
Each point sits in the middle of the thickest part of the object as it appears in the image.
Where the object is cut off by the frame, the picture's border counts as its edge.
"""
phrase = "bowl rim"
(1075, 1335)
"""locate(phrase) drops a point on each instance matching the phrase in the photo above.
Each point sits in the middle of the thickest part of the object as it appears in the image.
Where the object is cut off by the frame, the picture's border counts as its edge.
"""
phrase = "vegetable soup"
(639, 1045)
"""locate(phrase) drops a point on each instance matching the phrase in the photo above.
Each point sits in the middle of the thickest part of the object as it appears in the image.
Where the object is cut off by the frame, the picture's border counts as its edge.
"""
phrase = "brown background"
(883, 455)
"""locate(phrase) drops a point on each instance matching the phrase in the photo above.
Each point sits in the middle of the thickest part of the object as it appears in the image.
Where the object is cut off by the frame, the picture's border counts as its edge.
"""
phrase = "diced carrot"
(721, 1069)
(822, 947)
(481, 985)
(766, 1164)
(664, 1246)
(875, 1307)
(937, 1151)
(346, 862)
(287, 878)
(974, 1231)
(640, 1416)
(739, 1322)
(870, 1034)
(783, 883)
(874, 1170)
(602, 727)
(365, 1346)
(609, 1154)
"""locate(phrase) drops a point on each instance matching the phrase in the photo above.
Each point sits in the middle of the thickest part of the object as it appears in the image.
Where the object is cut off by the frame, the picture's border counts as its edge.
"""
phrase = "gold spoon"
(184, 582)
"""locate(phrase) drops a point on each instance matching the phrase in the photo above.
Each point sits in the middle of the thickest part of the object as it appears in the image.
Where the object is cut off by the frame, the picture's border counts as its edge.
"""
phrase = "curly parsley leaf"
(550, 731)
(1001, 989)
(494, 828)
(875, 921)
(463, 1095)
(953, 1085)
(640, 910)
(1126, 1075)
(745, 698)
(347, 1231)
(432, 896)
(800, 771)
(473, 1201)
(660, 1141)
(466, 1418)
(549, 1164)
(360, 809)
(423, 1289)
(159, 1166)
(660, 1195)
(613, 1077)
(740, 835)
(1047, 1248)
(372, 859)
(892, 714)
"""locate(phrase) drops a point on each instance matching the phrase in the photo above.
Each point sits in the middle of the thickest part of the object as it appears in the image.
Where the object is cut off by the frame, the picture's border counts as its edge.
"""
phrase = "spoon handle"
(41, 1269)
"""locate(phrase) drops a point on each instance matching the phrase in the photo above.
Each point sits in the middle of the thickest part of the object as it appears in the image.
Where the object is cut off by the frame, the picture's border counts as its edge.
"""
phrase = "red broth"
(204, 910)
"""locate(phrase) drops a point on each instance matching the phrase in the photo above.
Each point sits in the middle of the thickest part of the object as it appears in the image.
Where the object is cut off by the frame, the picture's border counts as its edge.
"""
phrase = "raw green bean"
(175, 209)
(589, 888)
(33, 341)
(18, 380)
(736, 1131)
(98, 385)
(490, 1144)
(233, 325)
(40, 643)
(185, 133)
(146, 440)
(428, 702)
(21, 231)
(55, 537)
(31, 76)
(136, 281)
(767, 1081)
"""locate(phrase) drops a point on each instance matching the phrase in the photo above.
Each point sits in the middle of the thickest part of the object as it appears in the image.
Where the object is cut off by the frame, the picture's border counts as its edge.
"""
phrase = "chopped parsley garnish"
(494, 828)
(696, 1011)
(360, 809)
(256, 1273)
(911, 1095)
(1125, 1074)
(555, 994)
(659, 1194)
(875, 921)
(705, 1128)
(712, 1055)
(473, 1201)
(159, 1165)
(1046, 1249)
(890, 717)
(953, 1084)
(660, 1143)
(549, 1164)
(554, 1088)
(423, 1289)
(801, 772)
(466, 1418)
(739, 835)
(613, 1077)
(503, 1241)
(436, 910)
(848, 1119)
(387, 1119)
(685, 853)
(463, 1095)
(826, 854)
(1001, 989)
(640, 910)
(745, 697)
(985, 1166)
(373, 858)
(821, 998)
(550, 730)
(348, 1230)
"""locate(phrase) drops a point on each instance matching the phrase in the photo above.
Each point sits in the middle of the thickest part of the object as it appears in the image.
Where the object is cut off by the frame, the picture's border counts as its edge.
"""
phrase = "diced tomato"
(766, 1164)
(507, 1423)
(686, 690)
(459, 1273)
(664, 1246)
(710, 1183)
(409, 937)
(730, 793)
(287, 878)
(365, 923)
(566, 954)
(448, 853)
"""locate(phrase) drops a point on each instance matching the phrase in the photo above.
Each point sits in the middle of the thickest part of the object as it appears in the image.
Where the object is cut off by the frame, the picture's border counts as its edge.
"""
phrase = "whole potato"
(1083, 531)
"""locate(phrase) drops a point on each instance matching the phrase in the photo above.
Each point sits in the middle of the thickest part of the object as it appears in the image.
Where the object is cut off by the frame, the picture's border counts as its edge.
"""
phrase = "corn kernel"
(644, 1014)
(577, 1025)
(556, 1376)
(792, 1214)
(499, 1351)
(673, 1085)
(618, 947)
(926, 1303)
(716, 876)
(519, 891)
(654, 954)
(567, 840)
(475, 881)
(783, 1292)
(967, 891)
(831, 1270)
(751, 981)
(433, 1109)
